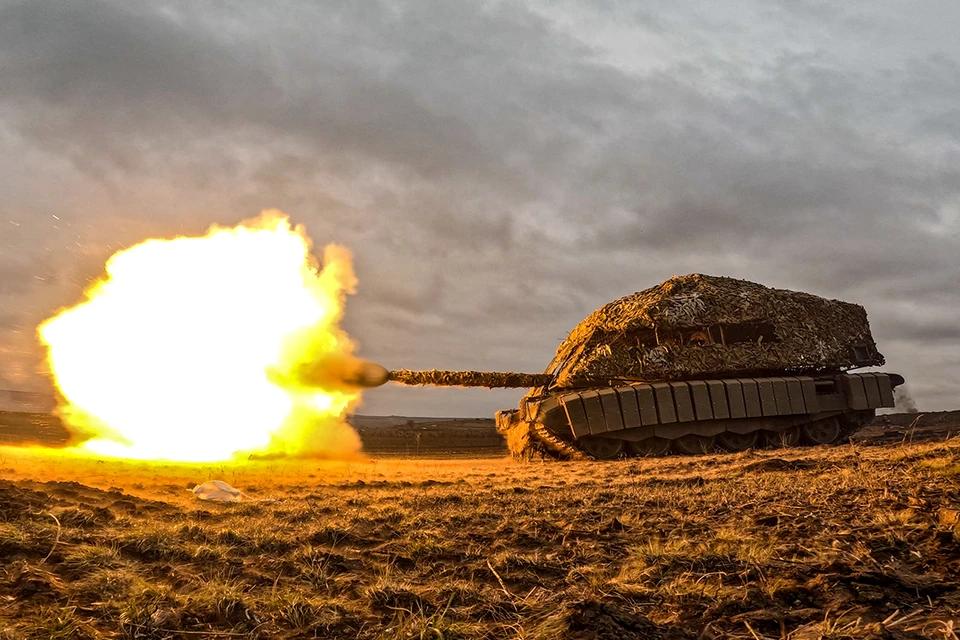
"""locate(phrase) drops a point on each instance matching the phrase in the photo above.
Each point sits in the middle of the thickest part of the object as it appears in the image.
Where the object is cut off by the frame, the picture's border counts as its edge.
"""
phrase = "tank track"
(563, 449)
(850, 427)
(556, 445)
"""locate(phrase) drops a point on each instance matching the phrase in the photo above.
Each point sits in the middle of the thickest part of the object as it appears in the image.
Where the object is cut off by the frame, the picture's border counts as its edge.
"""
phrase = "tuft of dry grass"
(845, 542)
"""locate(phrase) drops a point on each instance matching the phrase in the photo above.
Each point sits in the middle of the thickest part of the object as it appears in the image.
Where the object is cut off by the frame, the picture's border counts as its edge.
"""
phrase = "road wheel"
(782, 439)
(822, 431)
(602, 448)
(731, 441)
(693, 445)
(649, 448)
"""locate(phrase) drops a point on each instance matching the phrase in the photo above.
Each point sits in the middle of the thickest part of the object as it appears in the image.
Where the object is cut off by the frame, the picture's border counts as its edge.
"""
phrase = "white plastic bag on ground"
(218, 491)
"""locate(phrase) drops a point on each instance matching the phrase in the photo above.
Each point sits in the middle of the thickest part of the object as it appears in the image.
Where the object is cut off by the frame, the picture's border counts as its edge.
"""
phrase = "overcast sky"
(499, 169)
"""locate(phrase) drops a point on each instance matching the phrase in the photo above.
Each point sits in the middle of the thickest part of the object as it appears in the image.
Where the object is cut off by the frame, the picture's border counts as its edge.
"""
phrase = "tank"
(694, 364)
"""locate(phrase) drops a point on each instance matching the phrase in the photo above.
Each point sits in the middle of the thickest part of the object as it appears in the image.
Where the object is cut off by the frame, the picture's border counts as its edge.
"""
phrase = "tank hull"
(691, 416)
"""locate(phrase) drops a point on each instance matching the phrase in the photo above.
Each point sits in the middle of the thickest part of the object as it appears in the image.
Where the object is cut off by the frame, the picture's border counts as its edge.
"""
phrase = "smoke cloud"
(903, 400)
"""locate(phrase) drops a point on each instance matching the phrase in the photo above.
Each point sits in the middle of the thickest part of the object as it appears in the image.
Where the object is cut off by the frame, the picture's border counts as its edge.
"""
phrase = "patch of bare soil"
(833, 542)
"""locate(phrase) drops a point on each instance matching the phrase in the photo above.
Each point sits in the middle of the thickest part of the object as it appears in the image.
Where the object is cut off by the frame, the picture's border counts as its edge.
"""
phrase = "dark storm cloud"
(501, 169)
(119, 76)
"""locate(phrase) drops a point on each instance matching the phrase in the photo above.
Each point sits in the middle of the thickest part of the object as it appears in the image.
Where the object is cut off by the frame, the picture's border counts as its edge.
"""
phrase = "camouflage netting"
(697, 325)
(489, 379)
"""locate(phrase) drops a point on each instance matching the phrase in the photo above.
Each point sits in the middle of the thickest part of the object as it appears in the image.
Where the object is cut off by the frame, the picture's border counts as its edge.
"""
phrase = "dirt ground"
(853, 541)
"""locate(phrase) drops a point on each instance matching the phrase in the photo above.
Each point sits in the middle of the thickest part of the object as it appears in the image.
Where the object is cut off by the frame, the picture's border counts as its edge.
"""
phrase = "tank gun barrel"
(488, 379)
(355, 372)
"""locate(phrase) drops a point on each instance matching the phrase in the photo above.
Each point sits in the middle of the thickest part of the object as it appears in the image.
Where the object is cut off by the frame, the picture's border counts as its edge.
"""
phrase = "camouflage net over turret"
(698, 325)
(489, 379)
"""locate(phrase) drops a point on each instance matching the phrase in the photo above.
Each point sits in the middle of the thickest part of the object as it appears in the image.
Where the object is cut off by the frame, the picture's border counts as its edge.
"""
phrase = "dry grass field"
(855, 541)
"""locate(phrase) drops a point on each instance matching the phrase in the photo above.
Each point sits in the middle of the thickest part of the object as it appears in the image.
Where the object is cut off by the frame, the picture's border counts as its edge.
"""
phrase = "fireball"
(185, 348)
